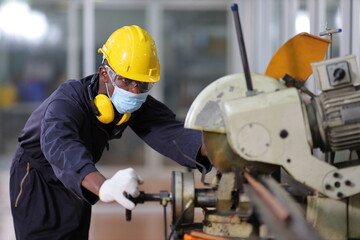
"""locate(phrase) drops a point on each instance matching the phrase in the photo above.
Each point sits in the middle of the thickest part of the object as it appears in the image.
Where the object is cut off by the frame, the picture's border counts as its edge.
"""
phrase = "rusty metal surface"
(183, 190)
(225, 159)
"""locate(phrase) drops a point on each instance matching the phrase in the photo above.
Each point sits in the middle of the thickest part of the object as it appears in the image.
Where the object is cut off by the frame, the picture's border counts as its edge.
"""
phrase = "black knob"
(339, 74)
(128, 215)
(128, 212)
(283, 133)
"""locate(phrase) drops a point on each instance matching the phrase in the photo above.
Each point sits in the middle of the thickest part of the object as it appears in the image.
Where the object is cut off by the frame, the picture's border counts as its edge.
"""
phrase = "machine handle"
(145, 197)
(234, 9)
(128, 213)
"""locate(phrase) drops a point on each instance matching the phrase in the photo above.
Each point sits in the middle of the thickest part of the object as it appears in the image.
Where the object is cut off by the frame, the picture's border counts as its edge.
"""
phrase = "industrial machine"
(275, 127)
(255, 124)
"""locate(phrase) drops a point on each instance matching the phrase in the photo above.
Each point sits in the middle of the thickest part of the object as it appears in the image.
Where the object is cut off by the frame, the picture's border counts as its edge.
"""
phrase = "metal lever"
(128, 213)
(329, 32)
(144, 197)
(234, 8)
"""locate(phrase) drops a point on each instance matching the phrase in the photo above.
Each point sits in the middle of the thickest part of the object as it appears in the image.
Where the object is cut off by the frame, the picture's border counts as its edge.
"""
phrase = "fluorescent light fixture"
(302, 22)
(17, 20)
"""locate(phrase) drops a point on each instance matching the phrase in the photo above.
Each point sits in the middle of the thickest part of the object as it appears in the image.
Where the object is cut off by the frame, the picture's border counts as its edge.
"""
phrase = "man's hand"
(203, 151)
(123, 182)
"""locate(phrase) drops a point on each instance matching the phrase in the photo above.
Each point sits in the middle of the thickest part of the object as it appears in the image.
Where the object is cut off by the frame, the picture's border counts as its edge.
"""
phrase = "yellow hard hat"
(131, 52)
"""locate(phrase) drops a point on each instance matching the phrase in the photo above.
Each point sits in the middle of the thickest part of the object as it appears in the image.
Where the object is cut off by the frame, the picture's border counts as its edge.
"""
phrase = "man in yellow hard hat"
(54, 180)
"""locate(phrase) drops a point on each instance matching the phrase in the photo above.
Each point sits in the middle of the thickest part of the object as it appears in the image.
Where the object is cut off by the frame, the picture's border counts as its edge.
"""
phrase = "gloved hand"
(115, 188)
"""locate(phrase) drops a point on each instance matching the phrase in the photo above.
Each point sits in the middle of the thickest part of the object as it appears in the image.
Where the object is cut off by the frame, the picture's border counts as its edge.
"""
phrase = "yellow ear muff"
(105, 107)
(106, 110)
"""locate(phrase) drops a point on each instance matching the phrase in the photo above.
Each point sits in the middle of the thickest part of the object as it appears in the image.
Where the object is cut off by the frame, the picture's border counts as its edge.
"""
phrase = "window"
(194, 54)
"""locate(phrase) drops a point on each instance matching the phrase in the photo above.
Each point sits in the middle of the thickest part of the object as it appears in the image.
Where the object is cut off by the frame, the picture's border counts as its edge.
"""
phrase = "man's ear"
(103, 74)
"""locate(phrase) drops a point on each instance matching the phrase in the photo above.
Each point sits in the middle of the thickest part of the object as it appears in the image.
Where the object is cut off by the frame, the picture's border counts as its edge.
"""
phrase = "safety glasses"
(126, 83)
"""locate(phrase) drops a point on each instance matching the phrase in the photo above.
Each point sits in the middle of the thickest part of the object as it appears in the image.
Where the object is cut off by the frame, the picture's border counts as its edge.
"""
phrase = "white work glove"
(115, 188)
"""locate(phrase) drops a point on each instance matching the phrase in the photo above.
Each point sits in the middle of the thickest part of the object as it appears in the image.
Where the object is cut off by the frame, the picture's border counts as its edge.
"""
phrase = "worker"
(54, 180)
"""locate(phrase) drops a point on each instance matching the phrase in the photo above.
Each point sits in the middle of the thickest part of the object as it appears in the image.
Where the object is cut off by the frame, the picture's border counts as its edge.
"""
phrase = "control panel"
(336, 72)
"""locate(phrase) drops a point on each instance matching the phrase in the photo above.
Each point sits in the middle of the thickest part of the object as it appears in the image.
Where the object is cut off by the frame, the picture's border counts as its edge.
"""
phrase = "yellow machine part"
(294, 57)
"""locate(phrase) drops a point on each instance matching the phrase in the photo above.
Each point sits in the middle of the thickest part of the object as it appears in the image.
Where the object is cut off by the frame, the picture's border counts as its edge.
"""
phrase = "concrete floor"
(108, 220)
(108, 223)
(147, 223)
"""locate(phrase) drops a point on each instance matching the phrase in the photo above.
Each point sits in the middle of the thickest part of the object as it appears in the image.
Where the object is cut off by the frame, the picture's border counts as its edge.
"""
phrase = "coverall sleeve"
(156, 124)
(63, 147)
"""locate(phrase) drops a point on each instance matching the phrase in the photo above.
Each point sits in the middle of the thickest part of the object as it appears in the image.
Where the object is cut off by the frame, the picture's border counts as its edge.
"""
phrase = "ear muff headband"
(125, 118)
(91, 99)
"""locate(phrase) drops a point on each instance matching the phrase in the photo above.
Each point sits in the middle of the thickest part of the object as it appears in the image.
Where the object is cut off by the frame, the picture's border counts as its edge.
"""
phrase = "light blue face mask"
(127, 102)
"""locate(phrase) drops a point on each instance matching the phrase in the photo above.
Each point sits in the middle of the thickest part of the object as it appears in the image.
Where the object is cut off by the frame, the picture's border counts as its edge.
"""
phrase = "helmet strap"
(107, 90)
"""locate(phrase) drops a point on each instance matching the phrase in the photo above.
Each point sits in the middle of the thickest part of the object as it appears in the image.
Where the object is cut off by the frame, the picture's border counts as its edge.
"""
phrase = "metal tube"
(205, 198)
(151, 197)
(330, 31)
(275, 207)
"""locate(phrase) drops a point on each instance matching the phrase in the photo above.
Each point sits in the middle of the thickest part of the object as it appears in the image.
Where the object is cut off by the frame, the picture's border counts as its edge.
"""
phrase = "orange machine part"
(294, 57)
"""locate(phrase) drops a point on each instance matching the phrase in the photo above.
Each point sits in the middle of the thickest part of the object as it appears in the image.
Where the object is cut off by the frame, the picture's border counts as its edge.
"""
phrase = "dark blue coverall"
(60, 144)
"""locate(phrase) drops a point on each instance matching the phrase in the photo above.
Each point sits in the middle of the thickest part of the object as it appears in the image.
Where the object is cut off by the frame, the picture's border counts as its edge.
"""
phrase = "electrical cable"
(187, 206)
(165, 223)
(203, 168)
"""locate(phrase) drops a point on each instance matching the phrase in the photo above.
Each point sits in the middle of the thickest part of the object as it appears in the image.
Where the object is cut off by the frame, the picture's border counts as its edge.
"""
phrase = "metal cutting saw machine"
(256, 126)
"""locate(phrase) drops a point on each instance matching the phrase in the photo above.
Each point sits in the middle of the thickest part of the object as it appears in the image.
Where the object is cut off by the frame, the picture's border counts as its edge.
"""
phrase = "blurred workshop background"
(45, 42)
